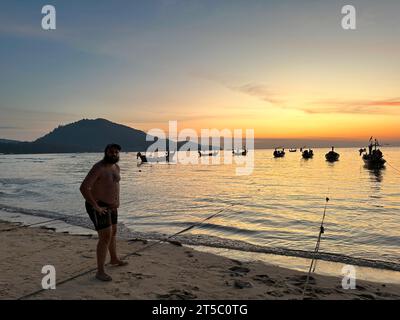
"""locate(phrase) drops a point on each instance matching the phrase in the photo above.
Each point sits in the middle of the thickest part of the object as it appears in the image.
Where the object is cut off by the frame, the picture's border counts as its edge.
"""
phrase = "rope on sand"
(129, 254)
(31, 225)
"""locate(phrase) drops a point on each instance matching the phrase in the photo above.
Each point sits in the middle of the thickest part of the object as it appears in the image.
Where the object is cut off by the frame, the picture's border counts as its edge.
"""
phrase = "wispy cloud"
(367, 106)
(163, 117)
(258, 90)
(381, 106)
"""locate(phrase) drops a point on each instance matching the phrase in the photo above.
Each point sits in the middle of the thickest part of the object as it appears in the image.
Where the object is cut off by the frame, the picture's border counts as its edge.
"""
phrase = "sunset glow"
(285, 70)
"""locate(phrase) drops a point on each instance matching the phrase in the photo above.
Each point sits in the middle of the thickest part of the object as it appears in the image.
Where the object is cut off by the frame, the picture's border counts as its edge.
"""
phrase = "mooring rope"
(314, 259)
(132, 253)
(33, 224)
(63, 218)
(393, 167)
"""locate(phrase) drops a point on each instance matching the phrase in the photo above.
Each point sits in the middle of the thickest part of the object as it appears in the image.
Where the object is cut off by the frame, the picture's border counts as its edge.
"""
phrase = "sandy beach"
(165, 271)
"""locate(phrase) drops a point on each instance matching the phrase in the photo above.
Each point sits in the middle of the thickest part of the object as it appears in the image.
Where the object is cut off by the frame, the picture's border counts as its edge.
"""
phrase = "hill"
(81, 136)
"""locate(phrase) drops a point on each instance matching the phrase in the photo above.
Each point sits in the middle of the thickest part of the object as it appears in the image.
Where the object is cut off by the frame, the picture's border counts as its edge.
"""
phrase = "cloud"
(164, 117)
(379, 106)
(383, 106)
(258, 90)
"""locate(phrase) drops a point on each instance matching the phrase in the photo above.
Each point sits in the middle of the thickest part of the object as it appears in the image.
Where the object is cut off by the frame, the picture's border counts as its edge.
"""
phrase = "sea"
(270, 214)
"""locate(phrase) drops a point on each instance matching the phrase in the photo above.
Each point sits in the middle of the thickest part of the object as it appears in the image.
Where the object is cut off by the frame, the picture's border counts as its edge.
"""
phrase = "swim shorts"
(102, 221)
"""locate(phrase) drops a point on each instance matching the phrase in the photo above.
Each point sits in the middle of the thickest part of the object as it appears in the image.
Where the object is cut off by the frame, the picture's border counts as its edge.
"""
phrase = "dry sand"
(165, 271)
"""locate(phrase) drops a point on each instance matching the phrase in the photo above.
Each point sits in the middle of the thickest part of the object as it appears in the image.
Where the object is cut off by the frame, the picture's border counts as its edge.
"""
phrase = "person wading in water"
(101, 192)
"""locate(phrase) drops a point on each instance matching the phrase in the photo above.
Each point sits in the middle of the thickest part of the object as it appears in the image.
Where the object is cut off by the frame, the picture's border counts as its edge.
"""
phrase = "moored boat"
(239, 153)
(332, 156)
(374, 157)
(207, 153)
(308, 154)
(154, 158)
(279, 153)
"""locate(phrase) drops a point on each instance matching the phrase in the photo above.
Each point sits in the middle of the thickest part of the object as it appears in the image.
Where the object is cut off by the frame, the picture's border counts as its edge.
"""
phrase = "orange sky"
(284, 70)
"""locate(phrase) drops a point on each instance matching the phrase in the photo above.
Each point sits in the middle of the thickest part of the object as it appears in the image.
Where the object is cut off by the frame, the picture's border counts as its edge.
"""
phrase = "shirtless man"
(101, 192)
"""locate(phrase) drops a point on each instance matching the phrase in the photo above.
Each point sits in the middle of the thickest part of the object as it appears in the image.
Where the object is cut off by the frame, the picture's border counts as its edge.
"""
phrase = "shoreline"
(165, 271)
(289, 261)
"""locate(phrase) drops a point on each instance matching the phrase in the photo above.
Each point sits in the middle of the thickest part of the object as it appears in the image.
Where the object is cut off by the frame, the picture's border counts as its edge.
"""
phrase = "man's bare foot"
(103, 276)
(118, 263)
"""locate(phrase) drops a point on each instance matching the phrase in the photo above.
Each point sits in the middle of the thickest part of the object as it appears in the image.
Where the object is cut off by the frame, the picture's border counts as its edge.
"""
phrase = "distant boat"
(332, 156)
(207, 154)
(374, 158)
(308, 154)
(292, 150)
(239, 153)
(141, 156)
(279, 152)
(147, 159)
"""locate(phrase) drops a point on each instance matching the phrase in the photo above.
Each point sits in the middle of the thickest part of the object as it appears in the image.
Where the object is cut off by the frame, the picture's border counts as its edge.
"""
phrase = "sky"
(286, 69)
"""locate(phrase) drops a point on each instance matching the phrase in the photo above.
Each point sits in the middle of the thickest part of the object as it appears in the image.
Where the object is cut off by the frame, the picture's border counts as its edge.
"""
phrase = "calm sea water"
(279, 205)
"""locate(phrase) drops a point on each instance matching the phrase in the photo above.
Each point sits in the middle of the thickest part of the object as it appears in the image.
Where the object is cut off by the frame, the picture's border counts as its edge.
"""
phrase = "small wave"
(34, 159)
(17, 181)
(229, 229)
(16, 193)
(207, 226)
(216, 242)
(33, 212)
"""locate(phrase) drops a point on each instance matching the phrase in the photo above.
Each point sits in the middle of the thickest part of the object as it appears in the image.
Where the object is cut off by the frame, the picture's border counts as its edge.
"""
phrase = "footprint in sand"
(242, 284)
(361, 288)
(140, 276)
(237, 262)
(324, 291)
(367, 296)
(177, 294)
(301, 280)
(189, 254)
(386, 295)
(264, 279)
(276, 294)
(294, 291)
(239, 269)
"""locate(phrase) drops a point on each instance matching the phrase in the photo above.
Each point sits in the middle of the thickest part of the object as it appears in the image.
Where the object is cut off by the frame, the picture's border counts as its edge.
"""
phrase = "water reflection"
(376, 175)
(281, 201)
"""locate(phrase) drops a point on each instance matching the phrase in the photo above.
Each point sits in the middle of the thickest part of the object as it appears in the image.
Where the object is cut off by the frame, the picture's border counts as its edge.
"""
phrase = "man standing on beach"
(101, 192)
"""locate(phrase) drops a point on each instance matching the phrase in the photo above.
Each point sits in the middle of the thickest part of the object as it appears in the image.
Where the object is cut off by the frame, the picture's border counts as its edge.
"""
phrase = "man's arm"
(87, 184)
